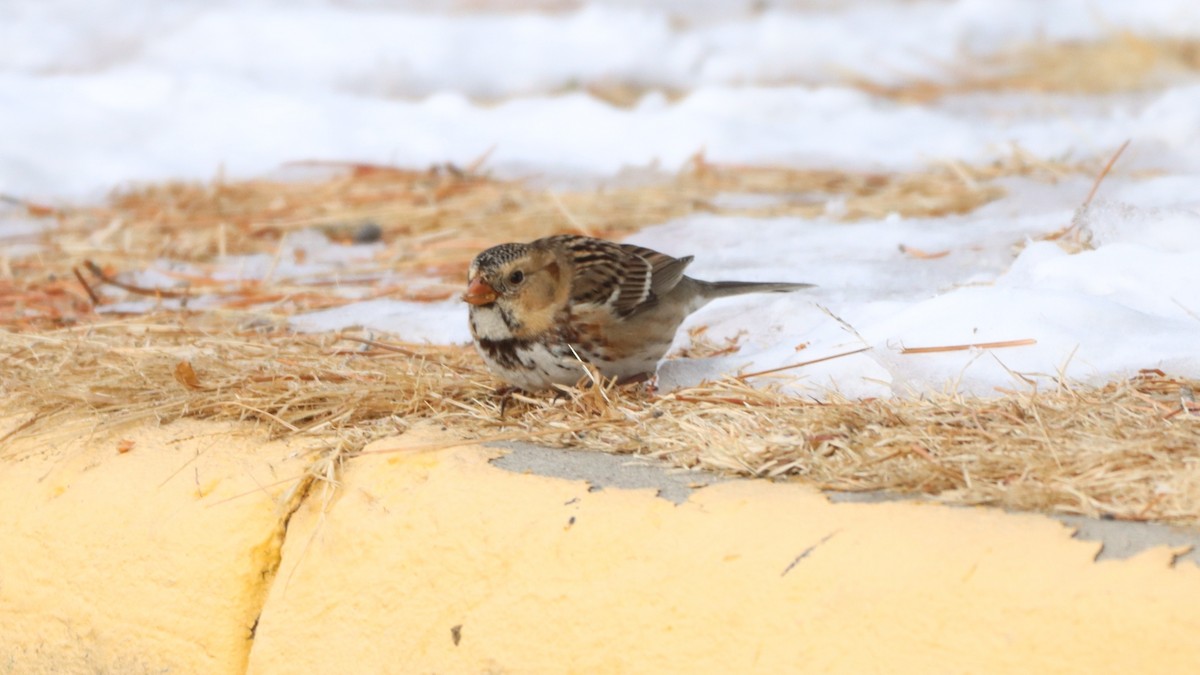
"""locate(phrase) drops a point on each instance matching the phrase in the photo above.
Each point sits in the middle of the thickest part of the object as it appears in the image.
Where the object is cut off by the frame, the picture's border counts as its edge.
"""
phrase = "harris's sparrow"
(538, 309)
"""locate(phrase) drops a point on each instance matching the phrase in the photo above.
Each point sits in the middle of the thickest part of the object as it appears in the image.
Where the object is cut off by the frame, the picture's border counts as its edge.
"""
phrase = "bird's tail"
(720, 289)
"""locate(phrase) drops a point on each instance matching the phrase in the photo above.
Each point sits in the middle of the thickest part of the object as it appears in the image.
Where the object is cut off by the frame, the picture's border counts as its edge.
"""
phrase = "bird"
(538, 310)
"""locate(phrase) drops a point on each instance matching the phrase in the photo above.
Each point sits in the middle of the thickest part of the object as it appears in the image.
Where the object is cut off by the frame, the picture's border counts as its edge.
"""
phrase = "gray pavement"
(1120, 539)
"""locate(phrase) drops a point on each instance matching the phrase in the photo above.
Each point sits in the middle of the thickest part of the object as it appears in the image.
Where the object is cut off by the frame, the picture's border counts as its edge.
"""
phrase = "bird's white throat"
(488, 324)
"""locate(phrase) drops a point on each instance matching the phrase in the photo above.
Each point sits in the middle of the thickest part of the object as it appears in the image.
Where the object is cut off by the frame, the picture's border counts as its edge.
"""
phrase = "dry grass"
(1129, 450)
(1122, 62)
(431, 224)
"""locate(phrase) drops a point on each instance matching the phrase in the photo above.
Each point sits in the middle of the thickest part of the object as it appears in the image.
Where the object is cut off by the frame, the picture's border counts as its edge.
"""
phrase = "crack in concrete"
(807, 552)
(270, 552)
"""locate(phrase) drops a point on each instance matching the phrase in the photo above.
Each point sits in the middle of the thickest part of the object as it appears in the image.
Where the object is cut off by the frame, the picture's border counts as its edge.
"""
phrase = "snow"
(1129, 304)
(435, 322)
(96, 95)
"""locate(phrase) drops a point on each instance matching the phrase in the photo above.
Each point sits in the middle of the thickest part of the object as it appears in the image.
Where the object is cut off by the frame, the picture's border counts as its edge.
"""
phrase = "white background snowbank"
(99, 93)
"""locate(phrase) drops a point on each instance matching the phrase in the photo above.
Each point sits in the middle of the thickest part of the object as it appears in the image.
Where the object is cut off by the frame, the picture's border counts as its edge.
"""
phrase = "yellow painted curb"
(149, 560)
(162, 557)
(440, 562)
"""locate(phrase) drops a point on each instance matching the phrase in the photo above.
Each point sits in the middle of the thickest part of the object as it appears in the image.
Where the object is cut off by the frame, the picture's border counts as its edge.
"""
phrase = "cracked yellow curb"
(142, 549)
(437, 561)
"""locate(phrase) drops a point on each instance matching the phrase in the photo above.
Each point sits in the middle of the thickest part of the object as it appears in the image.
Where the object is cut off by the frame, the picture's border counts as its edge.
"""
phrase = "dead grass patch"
(1122, 62)
(1128, 450)
(430, 223)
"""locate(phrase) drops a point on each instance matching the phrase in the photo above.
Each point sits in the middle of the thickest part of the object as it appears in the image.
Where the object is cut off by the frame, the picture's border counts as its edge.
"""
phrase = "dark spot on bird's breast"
(506, 352)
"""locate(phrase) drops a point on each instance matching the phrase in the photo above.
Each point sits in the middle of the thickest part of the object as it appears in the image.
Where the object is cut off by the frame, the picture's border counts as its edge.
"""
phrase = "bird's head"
(528, 280)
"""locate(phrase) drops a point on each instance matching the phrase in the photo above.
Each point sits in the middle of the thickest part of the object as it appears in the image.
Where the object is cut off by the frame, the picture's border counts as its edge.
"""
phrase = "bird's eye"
(516, 277)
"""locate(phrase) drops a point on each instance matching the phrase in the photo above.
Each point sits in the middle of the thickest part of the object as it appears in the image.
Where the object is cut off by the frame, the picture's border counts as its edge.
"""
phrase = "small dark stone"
(368, 233)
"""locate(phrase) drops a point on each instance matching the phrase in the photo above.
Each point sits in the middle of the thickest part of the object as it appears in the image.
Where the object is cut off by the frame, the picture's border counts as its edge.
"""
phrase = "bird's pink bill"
(479, 293)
